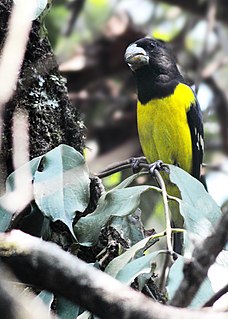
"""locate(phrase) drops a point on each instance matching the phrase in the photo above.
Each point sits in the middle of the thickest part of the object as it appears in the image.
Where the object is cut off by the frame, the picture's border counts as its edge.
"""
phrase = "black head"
(154, 67)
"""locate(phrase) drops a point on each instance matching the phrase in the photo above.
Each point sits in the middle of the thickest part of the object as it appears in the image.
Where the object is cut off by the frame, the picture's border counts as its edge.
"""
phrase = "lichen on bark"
(42, 94)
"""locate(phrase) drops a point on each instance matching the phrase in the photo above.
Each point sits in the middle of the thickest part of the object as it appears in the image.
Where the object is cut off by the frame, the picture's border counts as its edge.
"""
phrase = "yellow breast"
(163, 128)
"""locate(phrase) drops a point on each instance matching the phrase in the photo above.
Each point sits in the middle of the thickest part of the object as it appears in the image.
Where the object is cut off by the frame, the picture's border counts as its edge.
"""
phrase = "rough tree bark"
(42, 94)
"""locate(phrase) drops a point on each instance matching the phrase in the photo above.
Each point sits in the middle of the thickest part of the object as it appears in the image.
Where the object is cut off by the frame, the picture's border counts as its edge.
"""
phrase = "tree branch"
(211, 20)
(216, 296)
(200, 8)
(8, 307)
(221, 109)
(12, 307)
(45, 265)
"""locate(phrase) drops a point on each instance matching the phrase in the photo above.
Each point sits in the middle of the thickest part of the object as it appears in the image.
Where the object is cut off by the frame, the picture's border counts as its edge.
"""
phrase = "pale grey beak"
(136, 57)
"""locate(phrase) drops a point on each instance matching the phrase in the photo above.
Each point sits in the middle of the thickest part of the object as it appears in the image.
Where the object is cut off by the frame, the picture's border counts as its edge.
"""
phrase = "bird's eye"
(152, 45)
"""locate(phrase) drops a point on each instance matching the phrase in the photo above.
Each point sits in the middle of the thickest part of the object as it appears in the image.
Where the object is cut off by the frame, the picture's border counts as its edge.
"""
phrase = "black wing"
(195, 123)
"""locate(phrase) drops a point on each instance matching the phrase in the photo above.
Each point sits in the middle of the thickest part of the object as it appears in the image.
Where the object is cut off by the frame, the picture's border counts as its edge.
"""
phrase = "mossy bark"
(42, 94)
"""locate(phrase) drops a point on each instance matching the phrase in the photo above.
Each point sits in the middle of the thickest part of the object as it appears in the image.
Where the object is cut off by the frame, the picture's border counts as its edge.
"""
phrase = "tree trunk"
(41, 96)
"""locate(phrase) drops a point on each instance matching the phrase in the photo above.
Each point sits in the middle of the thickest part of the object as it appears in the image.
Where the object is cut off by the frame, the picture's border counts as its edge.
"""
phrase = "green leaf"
(194, 195)
(47, 297)
(199, 210)
(5, 219)
(62, 188)
(117, 202)
(66, 309)
(201, 214)
(24, 170)
(112, 180)
(119, 262)
(129, 227)
(42, 301)
(175, 277)
(125, 183)
(136, 267)
(18, 192)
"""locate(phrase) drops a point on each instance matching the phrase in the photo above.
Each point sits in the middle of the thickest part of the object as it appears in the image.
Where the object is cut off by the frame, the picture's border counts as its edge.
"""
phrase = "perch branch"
(45, 265)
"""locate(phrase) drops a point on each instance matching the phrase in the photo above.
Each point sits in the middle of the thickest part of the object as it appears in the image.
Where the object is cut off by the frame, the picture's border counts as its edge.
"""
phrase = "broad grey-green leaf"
(129, 227)
(136, 267)
(47, 297)
(194, 195)
(125, 183)
(28, 170)
(66, 309)
(118, 202)
(19, 192)
(62, 188)
(175, 277)
(5, 219)
(199, 210)
(200, 214)
(119, 262)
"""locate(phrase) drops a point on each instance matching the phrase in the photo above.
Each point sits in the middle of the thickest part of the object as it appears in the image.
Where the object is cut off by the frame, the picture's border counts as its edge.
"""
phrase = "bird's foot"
(158, 165)
(136, 161)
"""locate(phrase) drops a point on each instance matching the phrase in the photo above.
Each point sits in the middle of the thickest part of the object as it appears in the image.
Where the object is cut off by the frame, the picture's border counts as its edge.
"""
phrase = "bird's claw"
(158, 165)
(136, 163)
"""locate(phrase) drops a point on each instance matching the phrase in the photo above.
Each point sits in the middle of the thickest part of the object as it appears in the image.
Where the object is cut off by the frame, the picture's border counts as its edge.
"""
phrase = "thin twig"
(113, 170)
(211, 19)
(163, 233)
(210, 69)
(215, 168)
(216, 296)
(119, 166)
(166, 208)
(211, 167)
(164, 273)
(150, 294)
(166, 264)
(75, 7)
(178, 230)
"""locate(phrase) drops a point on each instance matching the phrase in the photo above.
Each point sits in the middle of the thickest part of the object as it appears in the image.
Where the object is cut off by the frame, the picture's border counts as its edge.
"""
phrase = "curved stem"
(166, 208)
(119, 166)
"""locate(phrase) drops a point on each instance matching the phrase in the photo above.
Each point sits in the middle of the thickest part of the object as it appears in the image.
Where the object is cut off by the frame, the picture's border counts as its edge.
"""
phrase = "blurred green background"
(89, 38)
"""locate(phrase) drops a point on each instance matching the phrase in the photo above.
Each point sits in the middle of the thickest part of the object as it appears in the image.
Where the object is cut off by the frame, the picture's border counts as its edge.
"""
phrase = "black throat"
(151, 86)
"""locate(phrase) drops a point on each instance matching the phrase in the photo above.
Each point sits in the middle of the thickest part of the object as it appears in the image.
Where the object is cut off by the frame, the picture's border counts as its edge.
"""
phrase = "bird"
(169, 118)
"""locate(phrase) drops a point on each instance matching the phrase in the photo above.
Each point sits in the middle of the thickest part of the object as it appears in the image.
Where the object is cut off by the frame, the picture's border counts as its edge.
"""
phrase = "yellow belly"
(163, 128)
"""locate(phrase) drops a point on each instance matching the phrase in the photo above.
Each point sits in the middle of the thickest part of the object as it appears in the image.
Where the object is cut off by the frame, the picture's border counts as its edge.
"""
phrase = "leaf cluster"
(58, 189)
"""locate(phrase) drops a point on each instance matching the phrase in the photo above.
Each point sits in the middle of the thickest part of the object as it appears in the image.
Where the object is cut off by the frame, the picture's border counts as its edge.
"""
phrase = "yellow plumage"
(163, 128)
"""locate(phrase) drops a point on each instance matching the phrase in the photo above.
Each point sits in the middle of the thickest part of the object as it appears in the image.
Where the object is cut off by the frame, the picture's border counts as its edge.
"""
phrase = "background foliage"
(90, 45)
(89, 39)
